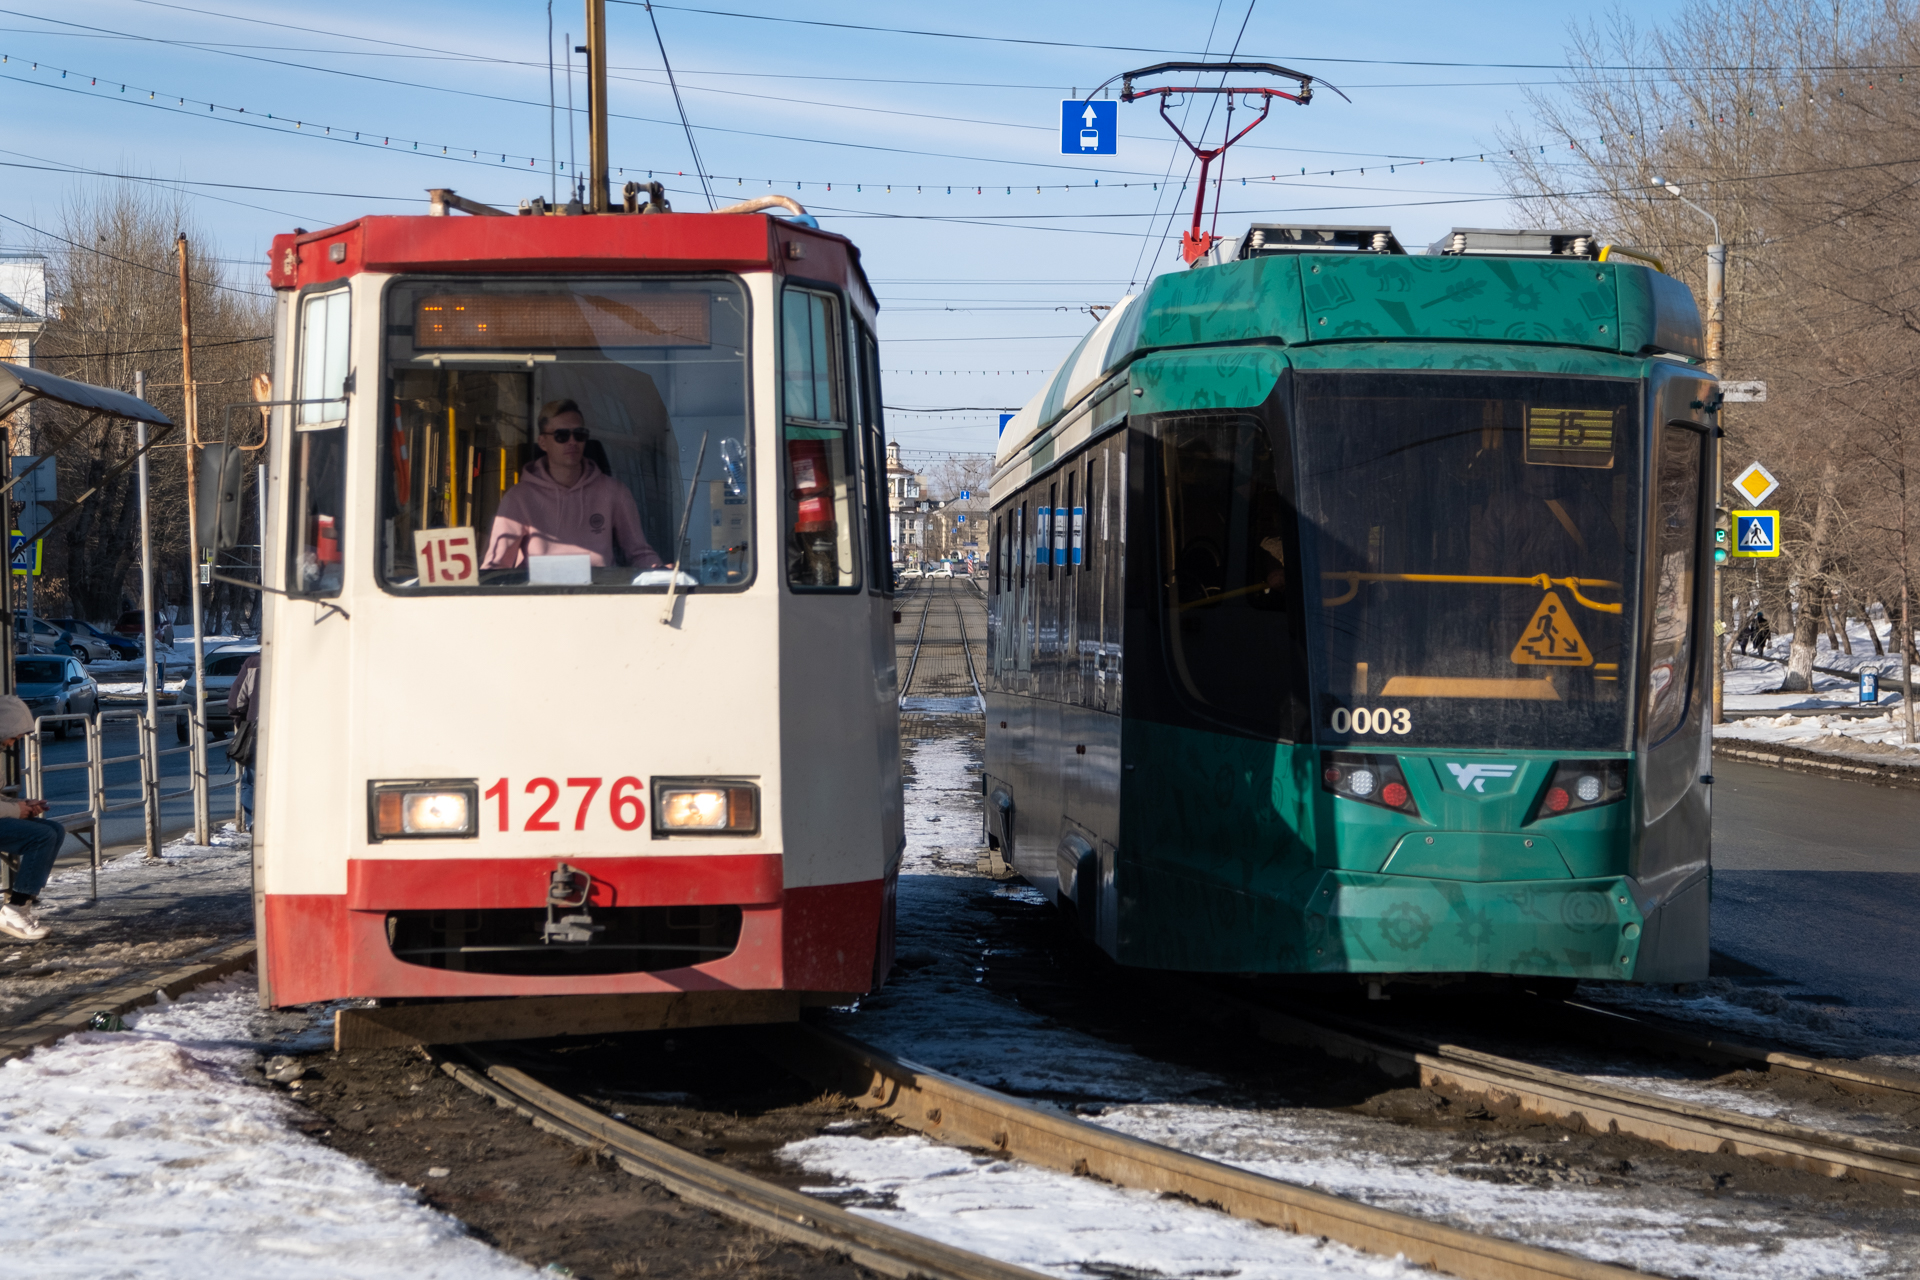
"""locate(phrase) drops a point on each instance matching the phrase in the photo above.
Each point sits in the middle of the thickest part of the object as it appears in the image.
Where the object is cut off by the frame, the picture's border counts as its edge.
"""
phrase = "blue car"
(55, 686)
(90, 643)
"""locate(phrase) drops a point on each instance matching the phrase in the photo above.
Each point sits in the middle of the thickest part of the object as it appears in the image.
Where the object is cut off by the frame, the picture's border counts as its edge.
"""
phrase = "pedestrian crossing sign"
(1756, 533)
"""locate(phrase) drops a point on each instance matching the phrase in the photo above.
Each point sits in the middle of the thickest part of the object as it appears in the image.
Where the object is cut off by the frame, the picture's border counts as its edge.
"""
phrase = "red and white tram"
(578, 672)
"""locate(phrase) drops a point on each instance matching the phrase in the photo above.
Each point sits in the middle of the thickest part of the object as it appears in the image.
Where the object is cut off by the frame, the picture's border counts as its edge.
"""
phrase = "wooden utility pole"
(599, 198)
(191, 400)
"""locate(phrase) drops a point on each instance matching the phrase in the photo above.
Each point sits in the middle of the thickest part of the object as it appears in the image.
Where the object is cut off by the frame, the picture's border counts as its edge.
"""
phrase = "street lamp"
(1716, 349)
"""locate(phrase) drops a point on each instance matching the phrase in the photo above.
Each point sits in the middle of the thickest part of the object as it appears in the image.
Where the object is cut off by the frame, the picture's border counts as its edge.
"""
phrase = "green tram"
(1350, 615)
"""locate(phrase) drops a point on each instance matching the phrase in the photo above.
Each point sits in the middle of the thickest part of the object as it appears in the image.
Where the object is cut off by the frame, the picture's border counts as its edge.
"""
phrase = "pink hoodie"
(537, 517)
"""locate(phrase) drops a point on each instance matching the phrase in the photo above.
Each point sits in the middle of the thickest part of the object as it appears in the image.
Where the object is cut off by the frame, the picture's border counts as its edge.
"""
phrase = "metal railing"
(101, 800)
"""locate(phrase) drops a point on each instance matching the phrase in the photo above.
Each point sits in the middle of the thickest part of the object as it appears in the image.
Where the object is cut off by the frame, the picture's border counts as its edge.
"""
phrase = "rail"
(88, 821)
(919, 636)
(955, 1112)
(1545, 1095)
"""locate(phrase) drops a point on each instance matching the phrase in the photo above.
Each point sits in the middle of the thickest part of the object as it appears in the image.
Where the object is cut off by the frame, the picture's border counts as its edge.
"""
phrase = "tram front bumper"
(1357, 922)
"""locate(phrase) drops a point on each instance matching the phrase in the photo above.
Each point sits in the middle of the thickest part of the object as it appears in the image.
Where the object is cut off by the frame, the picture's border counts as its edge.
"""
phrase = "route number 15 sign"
(447, 557)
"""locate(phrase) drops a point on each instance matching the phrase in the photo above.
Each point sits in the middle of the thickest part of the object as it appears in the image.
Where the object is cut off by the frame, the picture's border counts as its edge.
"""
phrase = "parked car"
(133, 623)
(90, 643)
(56, 686)
(223, 667)
(44, 637)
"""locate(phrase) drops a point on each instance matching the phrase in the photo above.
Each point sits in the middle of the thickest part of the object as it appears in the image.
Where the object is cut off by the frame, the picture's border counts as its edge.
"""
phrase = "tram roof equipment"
(1195, 244)
(1507, 242)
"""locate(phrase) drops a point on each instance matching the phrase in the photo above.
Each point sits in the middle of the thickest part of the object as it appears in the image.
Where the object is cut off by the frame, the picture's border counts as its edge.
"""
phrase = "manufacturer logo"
(1473, 777)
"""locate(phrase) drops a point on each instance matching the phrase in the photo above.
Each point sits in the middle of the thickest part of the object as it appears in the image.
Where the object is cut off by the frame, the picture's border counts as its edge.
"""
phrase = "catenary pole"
(600, 201)
(198, 756)
(1716, 351)
(149, 732)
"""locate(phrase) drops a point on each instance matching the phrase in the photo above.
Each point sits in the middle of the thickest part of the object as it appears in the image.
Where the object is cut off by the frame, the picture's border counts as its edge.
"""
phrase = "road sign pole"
(1716, 349)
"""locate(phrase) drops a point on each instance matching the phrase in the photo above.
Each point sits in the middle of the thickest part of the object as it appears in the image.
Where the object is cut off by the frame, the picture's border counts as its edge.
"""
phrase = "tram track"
(1521, 1091)
(952, 1111)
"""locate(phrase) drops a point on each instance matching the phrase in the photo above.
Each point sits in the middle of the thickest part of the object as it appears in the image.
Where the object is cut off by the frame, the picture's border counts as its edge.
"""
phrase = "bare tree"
(114, 296)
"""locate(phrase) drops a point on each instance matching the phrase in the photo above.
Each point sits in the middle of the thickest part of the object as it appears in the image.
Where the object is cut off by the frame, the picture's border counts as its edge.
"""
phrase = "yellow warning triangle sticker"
(1551, 639)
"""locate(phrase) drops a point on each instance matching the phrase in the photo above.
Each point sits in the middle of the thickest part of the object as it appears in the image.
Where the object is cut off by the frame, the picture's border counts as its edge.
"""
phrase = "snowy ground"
(158, 1152)
(936, 1011)
(1812, 719)
(148, 914)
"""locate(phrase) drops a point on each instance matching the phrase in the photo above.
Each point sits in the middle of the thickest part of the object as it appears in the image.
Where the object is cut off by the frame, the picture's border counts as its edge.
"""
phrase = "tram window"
(571, 435)
(1469, 557)
(1676, 518)
(1224, 565)
(317, 467)
(813, 403)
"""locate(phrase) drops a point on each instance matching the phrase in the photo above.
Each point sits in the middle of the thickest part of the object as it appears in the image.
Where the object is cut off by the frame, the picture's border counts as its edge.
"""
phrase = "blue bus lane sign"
(1089, 128)
(1756, 533)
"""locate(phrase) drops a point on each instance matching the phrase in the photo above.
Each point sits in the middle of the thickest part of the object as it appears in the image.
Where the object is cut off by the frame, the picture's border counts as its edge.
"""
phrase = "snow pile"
(155, 1153)
(1067, 1227)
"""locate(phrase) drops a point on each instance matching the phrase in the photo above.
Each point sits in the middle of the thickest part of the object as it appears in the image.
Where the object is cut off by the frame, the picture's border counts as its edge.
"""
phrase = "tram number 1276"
(624, 804)
(1374, 720)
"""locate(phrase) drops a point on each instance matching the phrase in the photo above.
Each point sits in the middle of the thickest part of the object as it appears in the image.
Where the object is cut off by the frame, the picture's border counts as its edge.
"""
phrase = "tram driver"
(565, 504)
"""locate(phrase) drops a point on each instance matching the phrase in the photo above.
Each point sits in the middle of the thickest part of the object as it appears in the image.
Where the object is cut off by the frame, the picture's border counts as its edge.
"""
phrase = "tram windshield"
(544, 434)
(1470, 550)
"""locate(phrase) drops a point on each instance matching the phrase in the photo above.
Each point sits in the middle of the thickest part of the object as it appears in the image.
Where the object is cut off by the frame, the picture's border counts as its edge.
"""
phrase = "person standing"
(31, 839)
(243, 702)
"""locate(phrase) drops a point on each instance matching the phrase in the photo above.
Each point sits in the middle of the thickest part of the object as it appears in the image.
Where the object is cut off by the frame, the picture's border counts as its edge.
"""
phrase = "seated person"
(564, 505)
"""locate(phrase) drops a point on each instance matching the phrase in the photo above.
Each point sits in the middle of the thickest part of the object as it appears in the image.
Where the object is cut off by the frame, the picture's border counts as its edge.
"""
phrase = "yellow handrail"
(1353, 580)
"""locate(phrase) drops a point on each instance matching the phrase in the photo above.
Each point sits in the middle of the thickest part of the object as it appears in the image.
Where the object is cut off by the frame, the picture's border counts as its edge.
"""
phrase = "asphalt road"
(1816, 891)
(67, 789)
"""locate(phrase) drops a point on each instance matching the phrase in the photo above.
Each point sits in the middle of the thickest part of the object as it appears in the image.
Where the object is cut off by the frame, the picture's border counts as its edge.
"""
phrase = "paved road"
(67, 790)
(1816, 891)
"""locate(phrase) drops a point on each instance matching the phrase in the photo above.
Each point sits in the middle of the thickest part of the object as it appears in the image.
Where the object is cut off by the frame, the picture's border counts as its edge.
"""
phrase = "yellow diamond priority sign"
(1755, 483)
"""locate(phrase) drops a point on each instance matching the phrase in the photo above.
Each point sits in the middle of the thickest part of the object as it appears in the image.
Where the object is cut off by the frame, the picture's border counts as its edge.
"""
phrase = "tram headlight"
(699, 806)
(1368, 779)
(423, 810)
(1582, 784)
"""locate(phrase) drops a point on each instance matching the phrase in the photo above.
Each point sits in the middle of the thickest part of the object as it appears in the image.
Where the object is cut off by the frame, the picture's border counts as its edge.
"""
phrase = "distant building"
(907, 510)
(23, 318)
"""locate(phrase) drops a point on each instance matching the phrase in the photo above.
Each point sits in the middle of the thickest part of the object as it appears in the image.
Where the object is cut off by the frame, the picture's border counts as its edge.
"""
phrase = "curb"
(76, 1010)
(1822, 763)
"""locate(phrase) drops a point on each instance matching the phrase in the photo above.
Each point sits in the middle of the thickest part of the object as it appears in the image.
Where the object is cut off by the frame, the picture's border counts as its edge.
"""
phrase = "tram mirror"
(217, 507)
(733, 457)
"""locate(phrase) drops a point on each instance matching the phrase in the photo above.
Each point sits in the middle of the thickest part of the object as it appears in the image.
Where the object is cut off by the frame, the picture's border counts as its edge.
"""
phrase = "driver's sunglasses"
(565, 434)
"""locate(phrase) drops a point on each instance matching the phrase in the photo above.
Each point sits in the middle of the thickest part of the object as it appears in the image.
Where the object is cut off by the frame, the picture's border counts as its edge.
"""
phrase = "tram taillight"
(1582, 784)
(1369, 779)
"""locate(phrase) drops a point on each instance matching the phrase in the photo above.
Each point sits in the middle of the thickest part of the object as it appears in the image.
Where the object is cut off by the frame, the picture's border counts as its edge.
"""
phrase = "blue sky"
(982, 279)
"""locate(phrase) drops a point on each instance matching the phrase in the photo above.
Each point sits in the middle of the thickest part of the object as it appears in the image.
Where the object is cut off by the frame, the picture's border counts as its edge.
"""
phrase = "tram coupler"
(569, 888)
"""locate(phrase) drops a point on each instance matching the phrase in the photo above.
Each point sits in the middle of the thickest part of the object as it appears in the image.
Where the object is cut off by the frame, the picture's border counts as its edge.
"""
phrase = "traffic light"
(1722, 535)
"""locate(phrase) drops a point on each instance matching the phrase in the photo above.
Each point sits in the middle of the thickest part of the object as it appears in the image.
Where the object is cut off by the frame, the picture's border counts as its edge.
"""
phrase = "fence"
(88, 822)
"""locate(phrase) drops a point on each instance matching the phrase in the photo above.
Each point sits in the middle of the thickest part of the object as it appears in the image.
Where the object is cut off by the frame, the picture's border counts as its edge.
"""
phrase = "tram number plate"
(446, 556)
(1374, 720)
(542, 809)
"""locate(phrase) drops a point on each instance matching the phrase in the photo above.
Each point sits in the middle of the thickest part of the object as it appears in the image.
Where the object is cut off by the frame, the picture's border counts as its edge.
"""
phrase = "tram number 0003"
(1372, 720)
(624, 805)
